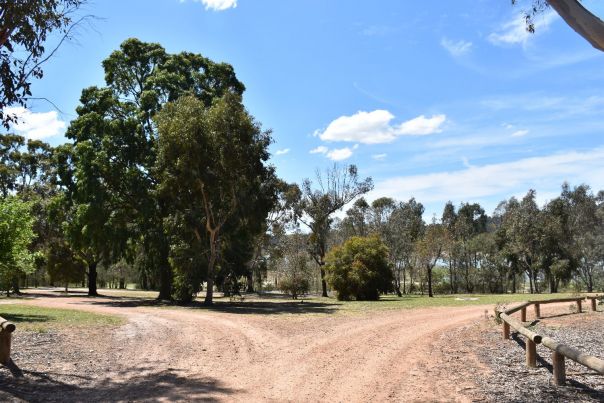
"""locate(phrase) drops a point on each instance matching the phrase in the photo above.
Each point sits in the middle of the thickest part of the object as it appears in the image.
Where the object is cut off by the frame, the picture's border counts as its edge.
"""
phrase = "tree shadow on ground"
(578, 386)
(276, 304)
(560, 315)
(140, 384)
(118, 300)
(249, 307)
(268, 307)
(28, 318)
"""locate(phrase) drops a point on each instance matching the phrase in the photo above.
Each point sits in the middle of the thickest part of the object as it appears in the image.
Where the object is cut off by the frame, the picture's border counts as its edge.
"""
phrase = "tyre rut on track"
(379, 356)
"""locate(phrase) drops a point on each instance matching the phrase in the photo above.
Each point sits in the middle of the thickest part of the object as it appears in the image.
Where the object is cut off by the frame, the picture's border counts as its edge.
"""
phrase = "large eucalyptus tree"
(317, 205)
(115, 141)
(212, 164)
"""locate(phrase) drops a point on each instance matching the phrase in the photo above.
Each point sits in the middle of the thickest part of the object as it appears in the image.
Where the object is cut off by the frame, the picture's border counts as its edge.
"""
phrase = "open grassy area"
(423, 301)
(275, 303)
(35, 318)
(79, 291)
(279, 304)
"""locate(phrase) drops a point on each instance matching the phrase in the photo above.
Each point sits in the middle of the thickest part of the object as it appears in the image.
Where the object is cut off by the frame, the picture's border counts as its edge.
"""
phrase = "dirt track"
(270, 355)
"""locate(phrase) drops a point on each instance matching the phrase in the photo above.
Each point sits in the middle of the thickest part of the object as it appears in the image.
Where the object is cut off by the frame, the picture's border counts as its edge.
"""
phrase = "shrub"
(188, 270)
(359, 268)
(294, 271)
(294, 286)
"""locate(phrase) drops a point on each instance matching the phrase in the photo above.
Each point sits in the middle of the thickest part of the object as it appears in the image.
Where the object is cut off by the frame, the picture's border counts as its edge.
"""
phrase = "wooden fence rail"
(6, 331)
(559, 351)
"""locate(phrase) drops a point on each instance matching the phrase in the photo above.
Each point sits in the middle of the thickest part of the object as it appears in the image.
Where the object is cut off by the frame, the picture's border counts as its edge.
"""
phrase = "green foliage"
(16, 235)
(186, 258)
(115, 157)
(294, 285)
(63, 265)
(316, 206)
(359, 268)
(211, 165)
(24, 27)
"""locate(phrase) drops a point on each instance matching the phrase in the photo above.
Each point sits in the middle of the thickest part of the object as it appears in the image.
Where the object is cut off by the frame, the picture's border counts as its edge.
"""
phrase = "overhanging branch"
(581, 20)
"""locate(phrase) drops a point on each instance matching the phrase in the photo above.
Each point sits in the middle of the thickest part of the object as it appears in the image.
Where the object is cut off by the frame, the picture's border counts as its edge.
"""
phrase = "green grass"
(39, 319)
(389, 302)
(314, 305)
(271, 304)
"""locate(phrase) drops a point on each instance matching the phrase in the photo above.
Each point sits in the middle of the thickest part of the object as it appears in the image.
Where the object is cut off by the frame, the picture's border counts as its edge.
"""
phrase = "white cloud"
(545, 174)
(456, 48)
(282, 152)
(520, 133)
(218, 5)
(319, 150)
(379, 157)
(421, 125)
(339, 154)
(374, 127)
(514, 31)
(36, 125)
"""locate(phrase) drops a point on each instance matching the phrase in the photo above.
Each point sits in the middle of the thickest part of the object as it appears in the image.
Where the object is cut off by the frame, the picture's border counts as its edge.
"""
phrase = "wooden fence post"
(506, 330)
(523, 315)
(5, 341)
(559, 368)
(531, 353)
(579, 306)
(6, 331)
(537, 311)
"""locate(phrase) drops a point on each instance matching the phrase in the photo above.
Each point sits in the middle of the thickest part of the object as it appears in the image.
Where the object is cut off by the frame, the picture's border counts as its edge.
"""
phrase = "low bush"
(359, 269)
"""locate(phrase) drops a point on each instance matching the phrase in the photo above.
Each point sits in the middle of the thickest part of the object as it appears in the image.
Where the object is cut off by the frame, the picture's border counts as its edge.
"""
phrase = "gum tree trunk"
(92, 275)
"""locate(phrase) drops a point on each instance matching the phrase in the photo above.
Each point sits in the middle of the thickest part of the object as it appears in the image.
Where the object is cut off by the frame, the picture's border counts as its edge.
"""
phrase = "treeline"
(165, 183)
(520, 247)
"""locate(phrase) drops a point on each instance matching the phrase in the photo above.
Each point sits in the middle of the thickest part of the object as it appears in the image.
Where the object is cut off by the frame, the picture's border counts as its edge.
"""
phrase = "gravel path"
(274, 354)
(505, 376)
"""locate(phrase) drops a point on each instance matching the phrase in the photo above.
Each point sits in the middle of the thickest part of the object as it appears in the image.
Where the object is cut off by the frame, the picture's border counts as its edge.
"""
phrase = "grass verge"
(315, 305)
(39, 319)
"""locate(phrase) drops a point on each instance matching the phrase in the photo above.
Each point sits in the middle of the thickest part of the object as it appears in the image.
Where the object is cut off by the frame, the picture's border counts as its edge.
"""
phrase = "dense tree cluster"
(166, 172)
(520, 248)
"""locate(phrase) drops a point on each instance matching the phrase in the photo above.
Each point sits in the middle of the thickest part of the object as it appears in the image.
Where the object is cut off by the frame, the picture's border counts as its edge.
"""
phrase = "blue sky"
(441, 100)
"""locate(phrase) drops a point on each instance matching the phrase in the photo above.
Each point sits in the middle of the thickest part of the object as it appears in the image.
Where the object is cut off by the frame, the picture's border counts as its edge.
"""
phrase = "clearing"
(252, 351)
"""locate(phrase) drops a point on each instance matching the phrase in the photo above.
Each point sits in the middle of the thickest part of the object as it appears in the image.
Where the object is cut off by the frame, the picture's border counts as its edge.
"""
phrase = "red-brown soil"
(255, 353)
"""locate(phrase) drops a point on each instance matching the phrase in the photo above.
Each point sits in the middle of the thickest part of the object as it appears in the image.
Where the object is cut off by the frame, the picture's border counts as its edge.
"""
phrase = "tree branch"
(581, 20)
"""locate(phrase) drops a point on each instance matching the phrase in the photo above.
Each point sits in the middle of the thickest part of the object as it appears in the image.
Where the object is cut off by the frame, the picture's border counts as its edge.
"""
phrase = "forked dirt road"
(268, 353)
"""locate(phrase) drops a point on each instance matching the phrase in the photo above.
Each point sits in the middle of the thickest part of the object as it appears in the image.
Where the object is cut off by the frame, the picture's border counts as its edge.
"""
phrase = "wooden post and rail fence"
(6, 332)
(559, 351)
